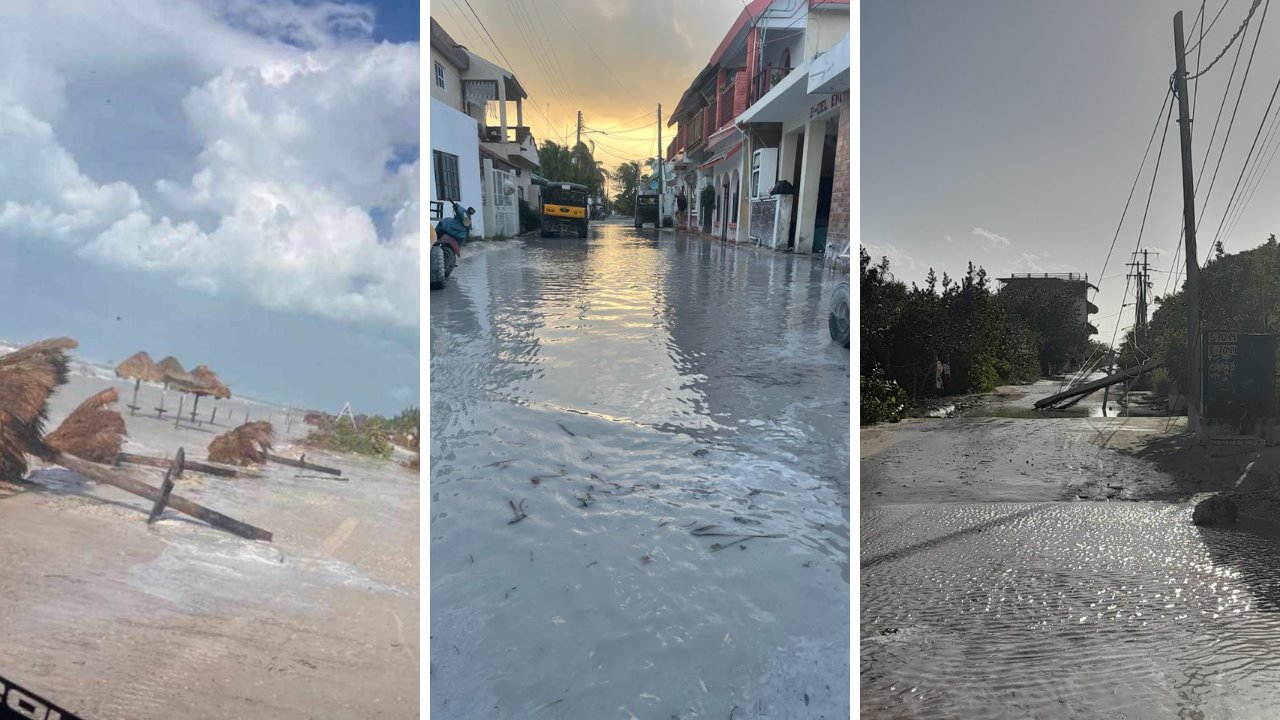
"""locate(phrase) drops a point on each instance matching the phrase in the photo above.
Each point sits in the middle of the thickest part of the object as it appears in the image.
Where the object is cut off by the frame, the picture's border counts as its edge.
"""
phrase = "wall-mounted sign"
(826, 104)
(1239, 375)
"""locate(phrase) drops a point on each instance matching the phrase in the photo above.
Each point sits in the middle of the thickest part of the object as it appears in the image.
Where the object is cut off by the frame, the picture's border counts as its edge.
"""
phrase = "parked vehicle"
(564, 209)
(838, 323)
(447, 238)
(646, 209)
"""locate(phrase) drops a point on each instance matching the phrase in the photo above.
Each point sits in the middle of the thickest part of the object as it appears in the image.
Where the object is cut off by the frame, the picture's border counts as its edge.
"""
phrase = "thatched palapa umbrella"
(186, 383)
(27, 377)
(244, 445)
(220, 391)
(92, 431)
(139, 367)
(166, 366)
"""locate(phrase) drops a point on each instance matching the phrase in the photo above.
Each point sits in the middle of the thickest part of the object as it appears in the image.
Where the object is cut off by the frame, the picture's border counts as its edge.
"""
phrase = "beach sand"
(114, 619)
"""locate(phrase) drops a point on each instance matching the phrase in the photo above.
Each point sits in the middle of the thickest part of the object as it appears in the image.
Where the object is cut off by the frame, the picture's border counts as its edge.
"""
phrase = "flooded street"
(1047, 567)
(593, 403)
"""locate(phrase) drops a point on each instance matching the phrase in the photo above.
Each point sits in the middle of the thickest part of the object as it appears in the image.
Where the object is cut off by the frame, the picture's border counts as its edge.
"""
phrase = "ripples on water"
(1066, 610)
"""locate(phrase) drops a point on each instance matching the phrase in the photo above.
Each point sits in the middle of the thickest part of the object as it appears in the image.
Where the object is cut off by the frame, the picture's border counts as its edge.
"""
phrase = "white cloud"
(991, 238)
(948, 238)
(900, 261)
(292, 149)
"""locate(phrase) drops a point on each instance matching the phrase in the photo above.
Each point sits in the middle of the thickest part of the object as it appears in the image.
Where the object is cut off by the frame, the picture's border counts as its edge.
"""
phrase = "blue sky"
(236, 180)
(1009, 133)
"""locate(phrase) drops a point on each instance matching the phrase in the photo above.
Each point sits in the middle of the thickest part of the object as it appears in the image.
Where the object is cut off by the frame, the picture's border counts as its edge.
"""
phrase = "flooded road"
(1047, 566)
(592, 405)
(1080, 610)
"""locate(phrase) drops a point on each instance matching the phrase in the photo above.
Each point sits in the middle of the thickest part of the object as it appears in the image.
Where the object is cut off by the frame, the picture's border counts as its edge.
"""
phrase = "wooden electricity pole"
(661, 162)
(1189, 221)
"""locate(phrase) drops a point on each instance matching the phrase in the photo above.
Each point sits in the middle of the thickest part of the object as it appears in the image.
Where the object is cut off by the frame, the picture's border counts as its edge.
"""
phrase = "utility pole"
(1189, 222)
(579, 129)
(662, 187)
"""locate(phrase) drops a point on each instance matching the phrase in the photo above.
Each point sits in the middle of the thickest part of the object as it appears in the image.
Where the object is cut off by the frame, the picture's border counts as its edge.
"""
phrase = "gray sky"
(1009, 133)
(235, 180)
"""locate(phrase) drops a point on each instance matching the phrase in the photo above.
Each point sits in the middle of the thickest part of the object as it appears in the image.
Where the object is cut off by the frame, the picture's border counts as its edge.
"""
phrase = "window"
(786, 58)
(440, 76)
(446, 166)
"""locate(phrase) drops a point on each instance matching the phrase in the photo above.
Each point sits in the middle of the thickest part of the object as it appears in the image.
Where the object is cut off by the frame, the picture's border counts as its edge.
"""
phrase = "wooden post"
(166, 488)
(288, 421)
(1189, 230)
(193, 465)
(303, 464)
(214, 415)
(134, 406)
(195, 405)
(164, 392)
(116, 478)
(178, 415)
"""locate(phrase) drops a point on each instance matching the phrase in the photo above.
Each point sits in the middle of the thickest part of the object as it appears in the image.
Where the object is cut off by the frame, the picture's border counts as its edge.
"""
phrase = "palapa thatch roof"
(27, 377)
(245, 445)
(210, 378)
(140, 366)
(188, 383)
(92, 431)
(168, 365)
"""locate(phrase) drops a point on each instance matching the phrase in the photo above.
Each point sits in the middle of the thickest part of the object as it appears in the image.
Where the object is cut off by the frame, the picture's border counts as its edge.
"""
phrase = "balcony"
(493, 134)
(725, 104)
(764, 81)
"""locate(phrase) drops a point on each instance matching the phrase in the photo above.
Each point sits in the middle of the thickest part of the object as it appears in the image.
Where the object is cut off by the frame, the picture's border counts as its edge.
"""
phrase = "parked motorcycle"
(448, 237)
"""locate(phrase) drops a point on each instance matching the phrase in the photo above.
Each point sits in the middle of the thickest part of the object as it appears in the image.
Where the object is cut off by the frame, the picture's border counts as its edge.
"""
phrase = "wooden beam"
(122, 480)
(166, 488)
(302, 463)
(195, 465)
(1089, 387)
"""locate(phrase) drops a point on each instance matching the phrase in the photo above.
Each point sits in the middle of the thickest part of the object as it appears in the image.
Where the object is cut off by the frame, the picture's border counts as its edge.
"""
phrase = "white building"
(455, 142)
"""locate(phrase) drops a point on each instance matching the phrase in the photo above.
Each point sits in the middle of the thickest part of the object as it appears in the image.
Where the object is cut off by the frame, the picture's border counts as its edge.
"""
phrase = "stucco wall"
(826, 28)
(454, 132)
(452, 92)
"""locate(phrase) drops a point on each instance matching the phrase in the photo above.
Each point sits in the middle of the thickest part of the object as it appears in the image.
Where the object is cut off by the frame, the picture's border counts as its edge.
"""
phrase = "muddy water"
(619, 393)
(1116, 610)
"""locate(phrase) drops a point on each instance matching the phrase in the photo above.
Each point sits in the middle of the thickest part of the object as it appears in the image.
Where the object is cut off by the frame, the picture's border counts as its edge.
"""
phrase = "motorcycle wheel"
(437, 267)
(838, 320)
(450, 261)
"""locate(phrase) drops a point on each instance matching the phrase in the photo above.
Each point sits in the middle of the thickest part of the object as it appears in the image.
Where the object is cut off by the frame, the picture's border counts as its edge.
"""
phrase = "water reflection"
(1065, 610)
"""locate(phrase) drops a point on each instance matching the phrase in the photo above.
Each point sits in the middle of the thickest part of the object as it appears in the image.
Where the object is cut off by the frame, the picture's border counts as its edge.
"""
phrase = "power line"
(1270, 103)
(539, 59)
(1259, 170)
(1239, 30)
(1168, 94)
(549, 49)
(592, 49)
(495, 42)
(1205, 31)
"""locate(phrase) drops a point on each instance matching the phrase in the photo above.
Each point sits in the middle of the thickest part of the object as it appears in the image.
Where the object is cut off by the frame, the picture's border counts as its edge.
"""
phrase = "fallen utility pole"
(302, 463)
(1108, 381)
(195, 465)
(120, 479)
(1189, 231)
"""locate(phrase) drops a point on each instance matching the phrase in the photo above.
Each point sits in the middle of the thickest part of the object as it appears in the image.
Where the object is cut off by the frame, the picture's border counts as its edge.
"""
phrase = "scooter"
(448, 237)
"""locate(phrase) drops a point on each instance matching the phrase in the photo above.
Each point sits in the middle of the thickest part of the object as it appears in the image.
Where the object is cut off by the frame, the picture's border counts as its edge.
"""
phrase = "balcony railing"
(764, 81)
(725, 105)
(493, 134)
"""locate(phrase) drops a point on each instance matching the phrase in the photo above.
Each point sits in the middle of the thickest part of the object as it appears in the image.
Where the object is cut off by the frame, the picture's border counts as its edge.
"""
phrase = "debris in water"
(585, 499)
(646, 559)
(567, 430)
(535, 480)
(518, 511)
(500, 463)
(593, 562)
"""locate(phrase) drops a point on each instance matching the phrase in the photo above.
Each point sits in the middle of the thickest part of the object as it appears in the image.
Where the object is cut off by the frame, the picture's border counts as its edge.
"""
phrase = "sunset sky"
(636, 55)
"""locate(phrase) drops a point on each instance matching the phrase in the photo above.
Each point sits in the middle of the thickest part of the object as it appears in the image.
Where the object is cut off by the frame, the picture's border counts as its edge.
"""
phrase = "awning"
(829, 72)
(786, 101)
(721, 157)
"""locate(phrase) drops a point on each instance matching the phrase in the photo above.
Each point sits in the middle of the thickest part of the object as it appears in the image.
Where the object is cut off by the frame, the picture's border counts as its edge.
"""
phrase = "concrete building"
(455, 142)
(769, 106)
(1077, 283)
(504, 156)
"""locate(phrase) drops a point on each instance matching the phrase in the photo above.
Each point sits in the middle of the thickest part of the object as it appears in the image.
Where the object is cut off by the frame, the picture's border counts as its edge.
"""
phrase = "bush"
(530, 219)
(881, 400)
(374, 436)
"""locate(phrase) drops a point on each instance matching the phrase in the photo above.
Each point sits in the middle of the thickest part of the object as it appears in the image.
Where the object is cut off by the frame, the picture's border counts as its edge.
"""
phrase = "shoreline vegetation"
(368, 435)
(984, 338)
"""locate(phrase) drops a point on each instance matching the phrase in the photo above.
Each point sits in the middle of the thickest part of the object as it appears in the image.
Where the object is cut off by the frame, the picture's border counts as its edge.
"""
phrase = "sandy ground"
(1074, 458)
(115, 619)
